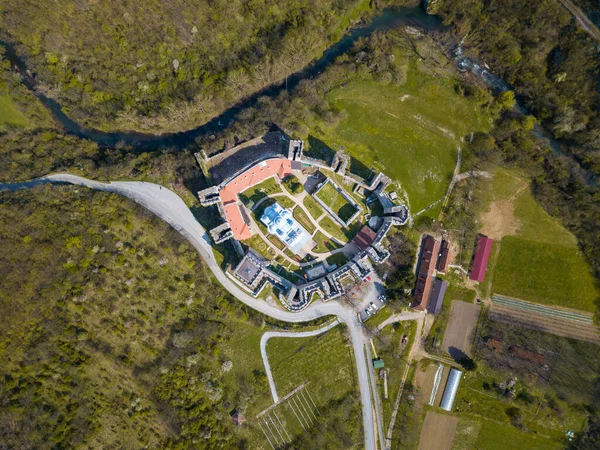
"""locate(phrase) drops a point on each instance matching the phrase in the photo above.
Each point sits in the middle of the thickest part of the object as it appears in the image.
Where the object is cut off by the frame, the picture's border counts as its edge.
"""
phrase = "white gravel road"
(167, 205)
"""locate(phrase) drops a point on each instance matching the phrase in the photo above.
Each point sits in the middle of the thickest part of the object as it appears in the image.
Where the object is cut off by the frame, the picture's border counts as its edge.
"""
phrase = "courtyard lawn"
(336, 202)
(534, 257)
(410, 132)
(343, 235)
(260, 246)
(304, 220)
(313, 207)
(324, 244)
(261, 190)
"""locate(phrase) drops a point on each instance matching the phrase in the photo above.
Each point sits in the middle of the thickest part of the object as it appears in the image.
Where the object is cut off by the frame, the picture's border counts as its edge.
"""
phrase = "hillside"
(168, 66)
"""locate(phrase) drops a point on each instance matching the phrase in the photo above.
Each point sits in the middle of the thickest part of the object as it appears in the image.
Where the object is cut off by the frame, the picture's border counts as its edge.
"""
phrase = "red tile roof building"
(442, 264)
(425, 270)
(229, 194)
(484, 247)
(365, 237)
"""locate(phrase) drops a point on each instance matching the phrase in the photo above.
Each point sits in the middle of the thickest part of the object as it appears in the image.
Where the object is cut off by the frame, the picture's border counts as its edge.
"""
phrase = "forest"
(169, 66)
(114, 68)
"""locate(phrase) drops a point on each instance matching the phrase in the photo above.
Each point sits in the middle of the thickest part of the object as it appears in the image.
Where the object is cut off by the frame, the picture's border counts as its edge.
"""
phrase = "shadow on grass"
(358, 168)
(319, 150)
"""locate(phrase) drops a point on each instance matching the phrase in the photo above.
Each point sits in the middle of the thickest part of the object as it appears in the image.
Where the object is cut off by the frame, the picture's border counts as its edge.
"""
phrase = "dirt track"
(437, 432)
(461, 327)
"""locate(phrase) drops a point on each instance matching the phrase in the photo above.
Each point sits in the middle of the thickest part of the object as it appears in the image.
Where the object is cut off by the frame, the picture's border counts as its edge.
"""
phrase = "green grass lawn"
(544, 273)
(413, 141)
(258, 244)
(336, 202)
(304, 220)
(326, 361)
(9, 113)
(259, 191)
(493, 436)
(313, 207)
(343, 234)
(324, 244)
(488, 435)
(540, 261)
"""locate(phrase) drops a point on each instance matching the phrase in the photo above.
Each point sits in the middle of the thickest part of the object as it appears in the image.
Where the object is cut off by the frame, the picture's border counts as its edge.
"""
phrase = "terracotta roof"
(484, 247)
(229, 194)
(442, 264)
(365, 237)
(428, 258)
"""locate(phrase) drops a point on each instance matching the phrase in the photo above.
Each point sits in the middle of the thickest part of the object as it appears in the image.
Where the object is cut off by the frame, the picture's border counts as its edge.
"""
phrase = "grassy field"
(538, 259)
(334, 229)
(412, 131)
(9, 113)
(488, 435)
(324, 244)
(260, 246)
(304, 220)
(313, 207)
(544, 273)
(336, 202)
(326, 363)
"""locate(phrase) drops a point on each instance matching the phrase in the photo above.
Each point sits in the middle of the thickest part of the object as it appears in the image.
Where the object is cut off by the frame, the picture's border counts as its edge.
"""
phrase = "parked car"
(374, 306)
(367, 312)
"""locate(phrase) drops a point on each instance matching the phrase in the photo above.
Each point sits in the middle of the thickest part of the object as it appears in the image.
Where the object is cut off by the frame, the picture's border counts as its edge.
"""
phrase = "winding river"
(388, 19)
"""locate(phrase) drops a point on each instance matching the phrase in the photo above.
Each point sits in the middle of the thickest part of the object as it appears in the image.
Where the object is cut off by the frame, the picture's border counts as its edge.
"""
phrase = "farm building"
(425, 268)
(437, 296)
(444, 257)
(484, 247)
(451, 389)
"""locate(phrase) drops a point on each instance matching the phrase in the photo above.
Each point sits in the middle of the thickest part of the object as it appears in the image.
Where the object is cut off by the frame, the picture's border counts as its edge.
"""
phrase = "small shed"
(378, 364)
(237, 417)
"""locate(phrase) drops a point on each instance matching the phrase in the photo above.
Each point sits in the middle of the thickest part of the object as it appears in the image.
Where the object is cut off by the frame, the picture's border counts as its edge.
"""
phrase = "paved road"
(286, 334)
(167, 205)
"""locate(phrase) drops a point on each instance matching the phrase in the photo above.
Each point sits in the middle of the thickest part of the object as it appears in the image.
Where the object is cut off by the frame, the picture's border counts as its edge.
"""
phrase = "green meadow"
(539, 260)
(411, 132)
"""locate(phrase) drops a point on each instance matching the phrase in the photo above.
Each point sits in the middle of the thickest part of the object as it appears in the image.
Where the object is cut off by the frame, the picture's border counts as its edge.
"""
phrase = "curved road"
(286, 334)
(167, 205)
